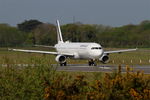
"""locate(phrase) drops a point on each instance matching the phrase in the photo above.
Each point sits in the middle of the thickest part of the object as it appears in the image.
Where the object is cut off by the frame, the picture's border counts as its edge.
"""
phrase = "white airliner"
(76, 50)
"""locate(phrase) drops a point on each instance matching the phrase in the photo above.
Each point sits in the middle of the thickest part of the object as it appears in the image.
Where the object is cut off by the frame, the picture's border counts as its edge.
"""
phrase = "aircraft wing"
(41, 52)
(119, 51)
(44, 46)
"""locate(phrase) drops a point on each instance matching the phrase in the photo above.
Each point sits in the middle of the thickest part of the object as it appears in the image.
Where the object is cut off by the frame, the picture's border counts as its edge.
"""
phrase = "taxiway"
(86, 68)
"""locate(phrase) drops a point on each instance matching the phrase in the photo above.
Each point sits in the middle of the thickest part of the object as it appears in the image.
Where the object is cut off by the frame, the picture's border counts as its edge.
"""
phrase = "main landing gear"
(63, 64)
(92, 62)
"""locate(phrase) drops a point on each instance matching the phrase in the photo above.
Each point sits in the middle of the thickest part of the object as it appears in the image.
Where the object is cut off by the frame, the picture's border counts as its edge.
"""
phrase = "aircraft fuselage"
(81, 50)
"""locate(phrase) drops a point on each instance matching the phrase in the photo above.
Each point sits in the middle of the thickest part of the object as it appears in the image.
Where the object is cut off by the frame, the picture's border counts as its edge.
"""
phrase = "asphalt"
(103, 68)
(98, 68)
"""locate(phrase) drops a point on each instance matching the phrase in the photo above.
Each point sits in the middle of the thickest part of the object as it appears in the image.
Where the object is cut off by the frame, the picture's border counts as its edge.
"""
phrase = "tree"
(11, 36)
(28, 25)
(44, 34)
(70, 32)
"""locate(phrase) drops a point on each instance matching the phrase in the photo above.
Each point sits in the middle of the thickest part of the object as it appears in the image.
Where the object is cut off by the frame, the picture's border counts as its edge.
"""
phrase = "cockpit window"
(96, 48)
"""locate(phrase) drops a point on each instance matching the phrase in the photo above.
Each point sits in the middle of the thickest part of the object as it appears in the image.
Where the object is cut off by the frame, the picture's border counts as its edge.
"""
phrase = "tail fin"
(59, 35)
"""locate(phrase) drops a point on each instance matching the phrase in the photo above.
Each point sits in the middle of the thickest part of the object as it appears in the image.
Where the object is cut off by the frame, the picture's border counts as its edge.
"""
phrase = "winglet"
(59, 34)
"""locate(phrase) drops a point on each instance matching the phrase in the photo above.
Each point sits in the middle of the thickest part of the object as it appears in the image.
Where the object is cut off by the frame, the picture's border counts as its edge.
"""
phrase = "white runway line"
(104, 67)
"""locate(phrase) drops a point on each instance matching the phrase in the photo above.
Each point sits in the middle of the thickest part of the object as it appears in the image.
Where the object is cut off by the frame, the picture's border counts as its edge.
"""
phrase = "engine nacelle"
(104, 59)
(60, 59)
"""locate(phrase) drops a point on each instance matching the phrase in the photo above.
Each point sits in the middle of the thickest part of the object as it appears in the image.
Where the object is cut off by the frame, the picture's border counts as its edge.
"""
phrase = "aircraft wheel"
(92, 62)
(63, 64)
(89, 63)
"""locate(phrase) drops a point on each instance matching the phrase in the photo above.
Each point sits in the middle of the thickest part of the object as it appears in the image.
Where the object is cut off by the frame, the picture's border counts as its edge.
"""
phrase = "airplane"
(76, 50)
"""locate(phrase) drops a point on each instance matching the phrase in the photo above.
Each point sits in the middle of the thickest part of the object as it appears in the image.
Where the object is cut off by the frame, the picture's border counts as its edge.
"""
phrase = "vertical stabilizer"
(59, 35)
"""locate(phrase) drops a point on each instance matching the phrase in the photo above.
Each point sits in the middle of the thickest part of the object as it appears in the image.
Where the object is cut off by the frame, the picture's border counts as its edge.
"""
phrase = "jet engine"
(104, 59)
(60, 59)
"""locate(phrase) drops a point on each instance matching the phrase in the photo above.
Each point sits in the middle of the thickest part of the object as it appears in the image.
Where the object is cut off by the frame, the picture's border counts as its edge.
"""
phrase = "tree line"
(31, 32)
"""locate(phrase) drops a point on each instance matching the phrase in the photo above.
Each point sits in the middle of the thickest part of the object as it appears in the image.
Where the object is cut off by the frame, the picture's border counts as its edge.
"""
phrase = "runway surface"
(103, 68)
(86, 68)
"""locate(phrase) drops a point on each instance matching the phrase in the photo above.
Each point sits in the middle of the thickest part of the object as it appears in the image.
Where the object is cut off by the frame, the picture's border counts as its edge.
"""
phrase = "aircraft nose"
(97, 53)
(100, 53)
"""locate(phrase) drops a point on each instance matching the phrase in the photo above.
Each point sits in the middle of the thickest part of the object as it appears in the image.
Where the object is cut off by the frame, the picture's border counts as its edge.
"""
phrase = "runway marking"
(76, 66)
(105, 67)
(87, 67)
(84, 71)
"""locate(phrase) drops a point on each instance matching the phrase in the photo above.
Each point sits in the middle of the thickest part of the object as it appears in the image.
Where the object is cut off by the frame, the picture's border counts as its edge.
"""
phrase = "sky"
(106, 12)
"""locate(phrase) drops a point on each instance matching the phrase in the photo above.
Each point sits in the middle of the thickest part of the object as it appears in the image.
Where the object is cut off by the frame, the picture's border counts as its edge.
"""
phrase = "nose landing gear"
(92, 62)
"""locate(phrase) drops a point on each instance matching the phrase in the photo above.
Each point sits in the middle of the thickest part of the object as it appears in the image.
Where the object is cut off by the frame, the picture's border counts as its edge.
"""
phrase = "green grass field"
(139, 57)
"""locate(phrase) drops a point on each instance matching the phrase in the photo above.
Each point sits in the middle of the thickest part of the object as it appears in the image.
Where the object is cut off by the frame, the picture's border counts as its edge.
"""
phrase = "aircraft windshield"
(96, 48)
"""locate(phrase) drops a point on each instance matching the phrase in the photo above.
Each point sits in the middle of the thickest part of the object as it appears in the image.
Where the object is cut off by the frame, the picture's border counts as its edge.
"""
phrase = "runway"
(86, 68)
(103, 68)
